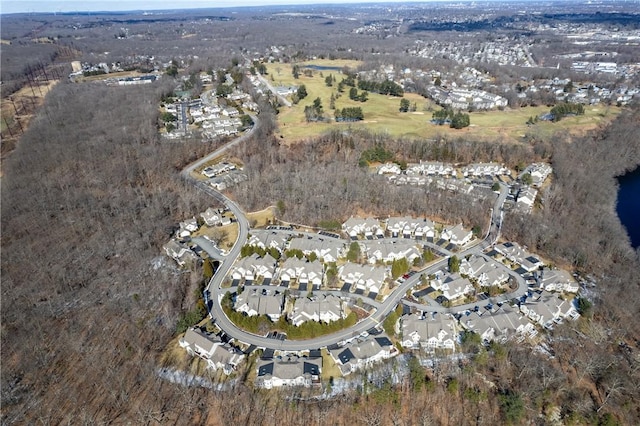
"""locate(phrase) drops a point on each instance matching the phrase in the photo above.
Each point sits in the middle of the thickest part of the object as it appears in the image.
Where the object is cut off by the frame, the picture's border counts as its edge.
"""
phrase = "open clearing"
(381, 112)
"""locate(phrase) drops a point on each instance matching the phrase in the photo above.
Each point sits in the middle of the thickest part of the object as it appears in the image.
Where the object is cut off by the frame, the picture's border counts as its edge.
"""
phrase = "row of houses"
(465, 99)
(369, 278)
(435, 168)
(259, 301)
(431, 331)
(405, 227)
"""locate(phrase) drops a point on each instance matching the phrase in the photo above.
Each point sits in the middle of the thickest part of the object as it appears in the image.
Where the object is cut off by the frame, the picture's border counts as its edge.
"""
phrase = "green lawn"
(381, 112)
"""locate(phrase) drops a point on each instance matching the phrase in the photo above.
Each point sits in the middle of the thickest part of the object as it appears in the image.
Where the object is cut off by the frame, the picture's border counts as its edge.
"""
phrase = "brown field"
(381, 113)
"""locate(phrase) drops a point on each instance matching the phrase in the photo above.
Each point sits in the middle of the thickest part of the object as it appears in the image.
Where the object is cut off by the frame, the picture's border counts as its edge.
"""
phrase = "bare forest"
(91, 193)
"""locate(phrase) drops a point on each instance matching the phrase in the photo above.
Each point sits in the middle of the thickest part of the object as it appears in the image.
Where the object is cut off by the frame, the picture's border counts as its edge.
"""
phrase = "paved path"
(214, 293)
(273, 90)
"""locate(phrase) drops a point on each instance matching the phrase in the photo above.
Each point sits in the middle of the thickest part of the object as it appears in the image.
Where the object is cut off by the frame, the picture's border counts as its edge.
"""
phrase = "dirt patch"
(17, 111)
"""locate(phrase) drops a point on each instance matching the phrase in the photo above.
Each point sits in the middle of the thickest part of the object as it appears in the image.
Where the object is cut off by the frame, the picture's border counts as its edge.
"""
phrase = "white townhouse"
(361, 354)
(364, 277)
(515, 253)
(288, 370)
(368, 228)
(486, 271)
(218, 355)
(501, 324)
(389, 169)
(429, 331)
(254, 303)
(267, 239)
(402, 226)
(253, 267)
(547, 309)
(457, 235)
(453, 286)
(539, 173)
(526, 198)
(425, 229)
(302, 271)
(390, 250)
(327, 249)
(557, 280)
(327, 308)
(485, 169)
(431, 168)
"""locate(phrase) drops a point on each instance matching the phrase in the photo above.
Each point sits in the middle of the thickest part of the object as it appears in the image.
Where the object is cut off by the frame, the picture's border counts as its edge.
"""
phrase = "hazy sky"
(19, 6)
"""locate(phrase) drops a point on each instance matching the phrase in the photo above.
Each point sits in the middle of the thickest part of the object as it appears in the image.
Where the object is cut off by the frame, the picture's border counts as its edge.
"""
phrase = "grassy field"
(262, 217)
(381, 113)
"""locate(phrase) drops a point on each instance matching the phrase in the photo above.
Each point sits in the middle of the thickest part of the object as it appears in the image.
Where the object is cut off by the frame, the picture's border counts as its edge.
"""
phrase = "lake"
(628, 207)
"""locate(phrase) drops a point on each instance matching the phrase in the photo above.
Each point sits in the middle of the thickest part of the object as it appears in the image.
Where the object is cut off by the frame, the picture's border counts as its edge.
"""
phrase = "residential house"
(368, 228)
(327, 308)
(218, 355)
(501, 324)
(288, 370)
(212, 217)
(182, 254)
(390, 250)
(327, 249)
(457, 235)
(425, 229)
(253, 267)
(428, 331)
(431, 168)
(187, 227)
(526, 198)
(485, 169)
(484, 270)
(454, 185)
(557, 280)
(517, 254)
(302, 271)
(538, 172)
(267, 239)
(389, 169)
(453, 286)
(362, 354)
(402, 226)
(364, 277)
(253, 303)
(547, 309)
(218, 169)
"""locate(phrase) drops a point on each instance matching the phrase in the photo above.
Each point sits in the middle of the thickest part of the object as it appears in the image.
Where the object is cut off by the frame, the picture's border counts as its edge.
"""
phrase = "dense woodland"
(89, 302)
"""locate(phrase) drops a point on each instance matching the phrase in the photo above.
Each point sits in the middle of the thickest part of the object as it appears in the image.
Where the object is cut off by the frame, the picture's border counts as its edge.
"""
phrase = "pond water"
(628, 207)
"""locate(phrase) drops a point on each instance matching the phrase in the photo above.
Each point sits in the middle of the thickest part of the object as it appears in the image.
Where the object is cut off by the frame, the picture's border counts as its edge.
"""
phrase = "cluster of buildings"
(502, 52)
(465, 99)
(305, 369)
(205, 113)
(182, 248)
(217, 354)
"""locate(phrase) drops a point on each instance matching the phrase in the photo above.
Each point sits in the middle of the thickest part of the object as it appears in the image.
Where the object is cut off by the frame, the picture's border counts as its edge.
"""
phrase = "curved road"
(213, 292)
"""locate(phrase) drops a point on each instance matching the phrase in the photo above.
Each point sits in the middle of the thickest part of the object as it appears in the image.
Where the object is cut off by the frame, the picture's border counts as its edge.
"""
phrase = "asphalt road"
(214, 292)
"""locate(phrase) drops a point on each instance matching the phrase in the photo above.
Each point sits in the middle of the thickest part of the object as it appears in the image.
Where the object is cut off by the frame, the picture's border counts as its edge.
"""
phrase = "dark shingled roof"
(384, 341)
(315, 353)
(312, 369)
(346, 356)
(265, 369)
